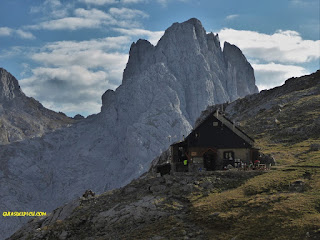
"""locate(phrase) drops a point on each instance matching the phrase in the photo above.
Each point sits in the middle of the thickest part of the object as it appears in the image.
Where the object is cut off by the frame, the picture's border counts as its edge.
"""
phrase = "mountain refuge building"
(215, 144)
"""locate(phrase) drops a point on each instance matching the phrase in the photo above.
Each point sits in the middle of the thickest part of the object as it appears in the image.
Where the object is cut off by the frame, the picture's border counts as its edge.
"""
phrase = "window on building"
(181, 151)
(228, 155)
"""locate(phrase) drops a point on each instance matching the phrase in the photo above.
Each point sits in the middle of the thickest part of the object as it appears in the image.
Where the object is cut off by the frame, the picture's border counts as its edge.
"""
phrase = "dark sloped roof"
(239, 129)
(228, 123)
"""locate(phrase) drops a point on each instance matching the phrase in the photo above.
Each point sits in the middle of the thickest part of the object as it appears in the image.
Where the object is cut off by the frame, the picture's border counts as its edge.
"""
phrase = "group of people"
(256, 165)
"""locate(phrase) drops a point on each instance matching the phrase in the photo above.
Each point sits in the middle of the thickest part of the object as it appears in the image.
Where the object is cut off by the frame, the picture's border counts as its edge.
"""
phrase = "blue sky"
(66, 53)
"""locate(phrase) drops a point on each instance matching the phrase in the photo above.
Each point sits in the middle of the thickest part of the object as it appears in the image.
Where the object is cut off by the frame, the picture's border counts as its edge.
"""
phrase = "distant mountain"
(282, 203)
(21, 116)
(164, 90)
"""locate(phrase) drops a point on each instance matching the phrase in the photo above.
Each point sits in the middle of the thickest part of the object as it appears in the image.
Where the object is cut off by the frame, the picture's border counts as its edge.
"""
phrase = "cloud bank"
(93, 19)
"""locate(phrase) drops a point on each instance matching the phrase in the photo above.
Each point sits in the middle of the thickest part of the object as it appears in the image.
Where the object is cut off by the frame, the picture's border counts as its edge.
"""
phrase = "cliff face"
(9, 87)
(164, 90)
(241, 80)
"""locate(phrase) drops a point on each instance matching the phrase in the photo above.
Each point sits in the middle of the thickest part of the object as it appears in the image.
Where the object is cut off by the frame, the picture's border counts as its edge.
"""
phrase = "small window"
(228, 155)
(181, 152)
(215, 124)
(193, 154)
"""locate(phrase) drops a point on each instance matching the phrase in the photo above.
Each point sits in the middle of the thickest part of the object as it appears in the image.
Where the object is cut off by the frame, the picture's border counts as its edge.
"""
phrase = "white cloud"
(92, 14)
(74, 75)
(12, 52)
(304, 3)
(152, 37)
(231, 17)
(99, 2)
(164, 3)
(24, 34)
(108, 43)
(281, 46)
(275, 57)
(67, 89)
(97, 53)
(132, 1)
(126, 13)
(109, 2)
(70, 23)
(6, 32)
(45, 4)
(271, 74)
(52, 9)
(93, 18)
(88, 58)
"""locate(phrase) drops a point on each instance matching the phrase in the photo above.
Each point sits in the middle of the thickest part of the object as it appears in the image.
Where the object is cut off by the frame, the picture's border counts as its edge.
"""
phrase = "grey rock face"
(23, 117)
(164, 90)
(9, 87)
(241, 77)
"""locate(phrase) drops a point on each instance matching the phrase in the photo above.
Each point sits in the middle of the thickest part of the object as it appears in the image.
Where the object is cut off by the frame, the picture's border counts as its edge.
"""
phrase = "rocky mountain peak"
(9, 86)
(178, 39)
(195, 22)
(186, 35)
(195, 59)
(198, 28)
(140, 52)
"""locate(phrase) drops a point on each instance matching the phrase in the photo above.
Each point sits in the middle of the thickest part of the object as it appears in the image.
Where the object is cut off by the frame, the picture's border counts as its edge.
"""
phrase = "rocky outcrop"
(9, 87)
(22, 117)
(164, 89)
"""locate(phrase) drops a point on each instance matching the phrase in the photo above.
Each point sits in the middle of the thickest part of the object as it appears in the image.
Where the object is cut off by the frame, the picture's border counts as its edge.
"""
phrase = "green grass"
(263, 208)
